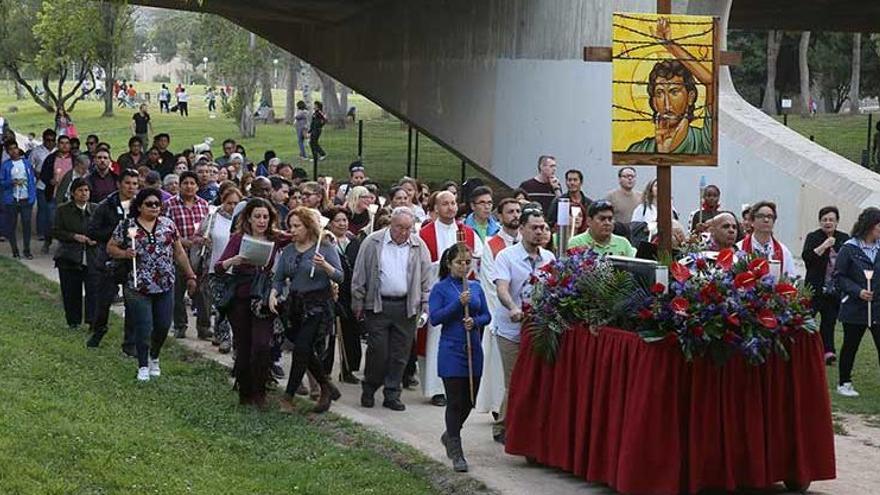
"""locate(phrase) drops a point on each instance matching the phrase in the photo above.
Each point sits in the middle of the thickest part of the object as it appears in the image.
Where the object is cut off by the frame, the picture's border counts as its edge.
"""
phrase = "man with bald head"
(439, 235)
(723, 231)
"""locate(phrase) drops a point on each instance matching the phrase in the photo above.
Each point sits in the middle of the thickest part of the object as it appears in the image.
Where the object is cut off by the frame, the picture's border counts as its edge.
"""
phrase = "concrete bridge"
(499, 82)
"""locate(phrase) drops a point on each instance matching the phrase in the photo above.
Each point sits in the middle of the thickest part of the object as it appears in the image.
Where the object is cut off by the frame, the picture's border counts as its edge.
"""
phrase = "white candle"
(869, 274)
(661, 275)
(132, 233)
(563, 212)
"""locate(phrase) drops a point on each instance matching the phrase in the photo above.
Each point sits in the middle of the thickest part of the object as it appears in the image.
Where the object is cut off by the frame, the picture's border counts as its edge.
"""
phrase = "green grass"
(74, 421)
(843, 134)
(385, 138)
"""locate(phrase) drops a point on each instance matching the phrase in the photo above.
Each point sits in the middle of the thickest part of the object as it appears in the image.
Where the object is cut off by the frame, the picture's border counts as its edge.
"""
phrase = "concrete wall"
(501, 81)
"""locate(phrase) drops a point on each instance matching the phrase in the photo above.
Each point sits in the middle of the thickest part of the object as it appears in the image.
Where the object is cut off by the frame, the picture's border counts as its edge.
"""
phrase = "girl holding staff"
(459, 306)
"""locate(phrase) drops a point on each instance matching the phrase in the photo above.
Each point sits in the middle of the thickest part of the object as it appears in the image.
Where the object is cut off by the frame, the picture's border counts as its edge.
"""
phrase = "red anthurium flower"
(679, 305)
(646, 314)
(767, 318)
(806, 302)
(679, 272)
(745, 281)
(786, 290)
(733, 319)
(701, 264)
(760, 267)
(725, 259)
(658, 288)
(797, 320)
(698, 331)
(709, 294)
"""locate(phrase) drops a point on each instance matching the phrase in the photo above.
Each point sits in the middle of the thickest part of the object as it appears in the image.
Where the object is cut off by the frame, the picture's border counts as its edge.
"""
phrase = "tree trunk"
(343, 100)
(804, 67)
(306, 82)
(290, 90)
(335, 114)
(266, 87)
(247, 127)
(856, 74)
(774, 40)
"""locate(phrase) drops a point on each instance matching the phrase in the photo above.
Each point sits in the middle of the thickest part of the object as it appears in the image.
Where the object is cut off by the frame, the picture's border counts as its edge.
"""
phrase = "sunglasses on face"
(152, 204)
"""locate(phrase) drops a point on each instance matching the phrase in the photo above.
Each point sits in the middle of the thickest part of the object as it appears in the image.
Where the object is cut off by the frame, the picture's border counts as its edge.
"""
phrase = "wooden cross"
(664, 170)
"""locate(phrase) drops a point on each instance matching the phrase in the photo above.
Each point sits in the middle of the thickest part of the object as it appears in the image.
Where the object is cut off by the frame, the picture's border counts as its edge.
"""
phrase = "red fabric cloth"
(613, 409)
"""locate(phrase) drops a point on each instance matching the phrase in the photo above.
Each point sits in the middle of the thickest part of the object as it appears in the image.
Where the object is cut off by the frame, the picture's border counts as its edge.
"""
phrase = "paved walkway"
(858, 453)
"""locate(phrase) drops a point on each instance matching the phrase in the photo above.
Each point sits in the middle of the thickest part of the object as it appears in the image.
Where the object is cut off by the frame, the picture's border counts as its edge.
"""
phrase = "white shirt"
(447, 236)
(19, 172)
(182, 97)
(514, 265)
(392, 266)
(768, 251)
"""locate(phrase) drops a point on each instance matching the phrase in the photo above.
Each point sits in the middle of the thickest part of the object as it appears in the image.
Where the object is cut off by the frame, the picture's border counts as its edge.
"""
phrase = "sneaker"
(322, 158)
(277, 371)
(154, 367)
(144, 374)
(847, 390)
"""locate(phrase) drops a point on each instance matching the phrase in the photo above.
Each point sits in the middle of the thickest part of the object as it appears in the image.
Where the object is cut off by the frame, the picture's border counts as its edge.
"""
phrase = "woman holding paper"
(309, 264)
(251, 330)
(154, 247)
(856, 263)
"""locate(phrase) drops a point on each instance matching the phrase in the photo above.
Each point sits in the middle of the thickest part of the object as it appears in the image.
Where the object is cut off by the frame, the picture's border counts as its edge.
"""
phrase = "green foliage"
(750, 76)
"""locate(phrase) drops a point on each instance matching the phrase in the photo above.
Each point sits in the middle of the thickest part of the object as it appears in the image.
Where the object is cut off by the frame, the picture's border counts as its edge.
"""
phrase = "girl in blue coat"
(446, 306)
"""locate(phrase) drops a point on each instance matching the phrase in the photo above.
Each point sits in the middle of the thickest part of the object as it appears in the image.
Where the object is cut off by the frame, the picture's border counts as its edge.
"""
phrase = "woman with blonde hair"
(308, 269)
(359, 200)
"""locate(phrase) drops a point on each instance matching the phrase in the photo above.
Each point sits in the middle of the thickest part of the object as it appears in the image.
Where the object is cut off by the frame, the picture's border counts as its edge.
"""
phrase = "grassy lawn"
(845, 134)
(74, 421)
(385, 138)
(865, 376)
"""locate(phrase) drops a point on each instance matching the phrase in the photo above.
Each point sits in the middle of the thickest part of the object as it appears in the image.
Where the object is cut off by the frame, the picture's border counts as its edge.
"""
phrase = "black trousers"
(317, 150)
(827, 307)
(253, 341)
(390, 336)
(105, 291)
(74, 281)
(351, 345)
(183, 108)
(458, 403)
(310, 342)
(852, 337)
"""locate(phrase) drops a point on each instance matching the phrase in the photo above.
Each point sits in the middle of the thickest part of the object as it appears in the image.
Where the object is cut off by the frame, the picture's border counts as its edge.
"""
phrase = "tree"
(830, 60)
(750, 76)
(115, 45)
(774, 41)
(855, 73)
(804, 67)
(332, 104)
(292, 64)
(53, 40)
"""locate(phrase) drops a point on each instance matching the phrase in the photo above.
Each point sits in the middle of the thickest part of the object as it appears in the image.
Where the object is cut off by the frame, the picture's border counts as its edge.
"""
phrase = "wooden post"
(664, 180)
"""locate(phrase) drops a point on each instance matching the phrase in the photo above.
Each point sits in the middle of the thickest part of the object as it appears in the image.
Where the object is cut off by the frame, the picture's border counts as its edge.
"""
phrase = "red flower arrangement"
(726, 306)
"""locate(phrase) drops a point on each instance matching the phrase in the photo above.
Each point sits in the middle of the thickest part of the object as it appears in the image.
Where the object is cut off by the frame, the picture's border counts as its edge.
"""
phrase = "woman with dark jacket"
(347, 245)
(858, 256)
(75, 253)
(820, 253)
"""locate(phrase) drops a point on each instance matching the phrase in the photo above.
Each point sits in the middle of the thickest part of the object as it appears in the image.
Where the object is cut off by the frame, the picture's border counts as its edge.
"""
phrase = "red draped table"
(614, 409)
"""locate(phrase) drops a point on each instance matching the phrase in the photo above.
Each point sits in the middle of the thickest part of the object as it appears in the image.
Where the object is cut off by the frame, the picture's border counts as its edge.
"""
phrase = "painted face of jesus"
(671, 101)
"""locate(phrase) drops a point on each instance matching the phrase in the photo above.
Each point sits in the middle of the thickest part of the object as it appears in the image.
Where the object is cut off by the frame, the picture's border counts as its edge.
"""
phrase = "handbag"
(120, 269)
(223, 288)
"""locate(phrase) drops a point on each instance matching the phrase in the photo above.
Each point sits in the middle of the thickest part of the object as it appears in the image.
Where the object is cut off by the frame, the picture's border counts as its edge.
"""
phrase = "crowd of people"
(431, 283)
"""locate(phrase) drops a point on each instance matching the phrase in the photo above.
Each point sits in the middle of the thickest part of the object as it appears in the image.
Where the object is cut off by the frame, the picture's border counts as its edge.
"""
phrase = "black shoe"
(15, 255)
(28, 255)
(95, 340)
(459, 463)
(335, 394)
(444, 439)
(410, 382)
(277, 371)
(348, 378)
(438, 400)
(500, 437)
(129, 351)
(367, 399)
(394, 404)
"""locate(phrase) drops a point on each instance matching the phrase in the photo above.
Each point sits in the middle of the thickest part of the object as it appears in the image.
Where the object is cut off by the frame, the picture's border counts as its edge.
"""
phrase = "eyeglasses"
(484, 203)
(152, 204)
(764, 216)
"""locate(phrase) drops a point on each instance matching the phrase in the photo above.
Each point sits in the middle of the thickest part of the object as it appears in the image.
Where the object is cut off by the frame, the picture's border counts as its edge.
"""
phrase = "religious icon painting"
(664, 89)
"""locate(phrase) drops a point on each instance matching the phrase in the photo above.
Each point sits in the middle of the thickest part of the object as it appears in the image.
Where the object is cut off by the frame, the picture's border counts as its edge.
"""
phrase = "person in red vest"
(439, 235)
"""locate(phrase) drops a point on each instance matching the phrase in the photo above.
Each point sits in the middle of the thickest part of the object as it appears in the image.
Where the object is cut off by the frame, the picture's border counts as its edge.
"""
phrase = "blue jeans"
(20, 209)
(301, 140)
(45, 213)
(150, 319)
